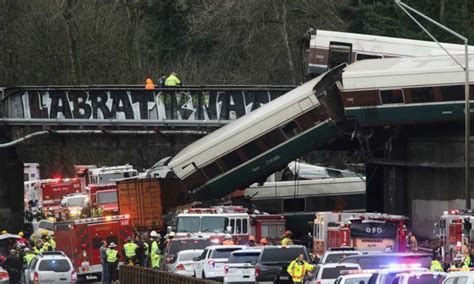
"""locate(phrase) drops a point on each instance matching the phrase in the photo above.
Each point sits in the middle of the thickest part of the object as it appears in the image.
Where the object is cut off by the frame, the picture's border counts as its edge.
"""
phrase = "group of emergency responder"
(164, 81)
(461, 262)
(21, 253)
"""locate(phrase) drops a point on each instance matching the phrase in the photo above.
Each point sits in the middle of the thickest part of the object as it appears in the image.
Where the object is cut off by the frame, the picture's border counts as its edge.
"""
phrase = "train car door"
(339, 52)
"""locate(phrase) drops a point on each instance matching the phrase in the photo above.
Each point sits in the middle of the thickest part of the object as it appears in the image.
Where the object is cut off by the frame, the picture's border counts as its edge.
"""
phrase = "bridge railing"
(141, 275)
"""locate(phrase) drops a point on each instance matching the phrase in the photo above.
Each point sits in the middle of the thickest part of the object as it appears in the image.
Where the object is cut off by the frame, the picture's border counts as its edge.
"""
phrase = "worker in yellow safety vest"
(173, 80)
(29, 255)
(287, 239)
(436, 265)
(155, 252)
(298, 269)
(112, 262)
(130, 251)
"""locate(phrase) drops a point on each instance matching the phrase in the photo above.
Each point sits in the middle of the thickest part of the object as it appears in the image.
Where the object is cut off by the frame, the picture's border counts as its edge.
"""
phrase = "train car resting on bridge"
(328, 49)
(400, 91)
(266, 140)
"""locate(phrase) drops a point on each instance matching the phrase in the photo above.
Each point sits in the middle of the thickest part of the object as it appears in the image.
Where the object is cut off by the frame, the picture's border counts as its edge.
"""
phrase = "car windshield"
(335, 257)
(188, 224)
(188, 256)
(424, 279)
(243, 257)
(223, 253)
(282, 255)
(106, 197)
(334, 272)
(76, 201)
(357, 280)
(46, 225)
(213, 224)
(179, 245)
(56, 265)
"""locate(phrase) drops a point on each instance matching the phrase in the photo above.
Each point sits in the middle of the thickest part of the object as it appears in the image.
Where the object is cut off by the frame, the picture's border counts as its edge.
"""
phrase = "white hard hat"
(112, 245)
(154, 234)
(172, 234)
(227, 236)
(26, 250)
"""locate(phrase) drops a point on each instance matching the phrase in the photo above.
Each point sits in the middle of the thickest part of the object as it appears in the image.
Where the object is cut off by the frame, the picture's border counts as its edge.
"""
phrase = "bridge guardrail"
(141, 275)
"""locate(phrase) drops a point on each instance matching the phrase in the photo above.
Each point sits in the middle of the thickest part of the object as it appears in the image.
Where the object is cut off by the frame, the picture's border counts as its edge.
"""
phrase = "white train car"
(251, 148)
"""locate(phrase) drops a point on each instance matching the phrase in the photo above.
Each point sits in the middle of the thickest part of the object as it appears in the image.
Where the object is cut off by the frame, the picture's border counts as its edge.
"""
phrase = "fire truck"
(106, 175)
(53, 190)
(215, 222)
(361, 231)
(455, 231)
(81, 240)
(104, 196)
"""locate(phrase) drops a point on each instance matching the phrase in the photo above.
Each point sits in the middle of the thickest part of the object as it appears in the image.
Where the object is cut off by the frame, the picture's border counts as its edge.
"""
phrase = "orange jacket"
(149, 84)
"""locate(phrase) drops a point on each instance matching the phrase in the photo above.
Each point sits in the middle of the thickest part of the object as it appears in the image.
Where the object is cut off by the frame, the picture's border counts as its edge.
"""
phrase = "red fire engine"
(362, 231)
(105, 196)
(81, 240)
(454, 229)
(214, 222)
(53, 190)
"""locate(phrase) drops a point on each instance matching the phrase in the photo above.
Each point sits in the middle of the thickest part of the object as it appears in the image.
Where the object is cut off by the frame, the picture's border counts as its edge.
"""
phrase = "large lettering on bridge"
(136, 104)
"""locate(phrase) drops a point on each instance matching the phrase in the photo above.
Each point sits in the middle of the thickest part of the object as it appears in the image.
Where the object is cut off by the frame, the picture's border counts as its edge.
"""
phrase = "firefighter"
(228, 240)
(173, 80)
(412, 243)
(457, 262)
(252, 242)
(100, 211)
(436, 265)
(13, 266)
(155, 252)
(263, 242)
(130, 251)
(468, 259)
(298, 269)
(112, 262)
(287, 238)
(29, 255)
(149, 84)
(4, 232)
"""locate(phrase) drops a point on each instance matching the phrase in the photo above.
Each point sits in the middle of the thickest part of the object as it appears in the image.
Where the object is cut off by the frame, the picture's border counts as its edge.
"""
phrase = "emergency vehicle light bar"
(98, 219)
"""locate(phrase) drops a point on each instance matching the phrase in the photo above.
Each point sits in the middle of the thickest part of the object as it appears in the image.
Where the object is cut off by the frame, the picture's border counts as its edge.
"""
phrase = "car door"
(29, 271)
(200, 264)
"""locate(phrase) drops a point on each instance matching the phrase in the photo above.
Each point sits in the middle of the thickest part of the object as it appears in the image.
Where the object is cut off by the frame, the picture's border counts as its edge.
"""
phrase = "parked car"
(328, 273)
(335, 256)
(181, 244)
(210, 265)
(459, 278)
(273, 261)
(362, 278)
(419, 278)
(54, 267)
(240, 267)
(184, 263)
(4, 278)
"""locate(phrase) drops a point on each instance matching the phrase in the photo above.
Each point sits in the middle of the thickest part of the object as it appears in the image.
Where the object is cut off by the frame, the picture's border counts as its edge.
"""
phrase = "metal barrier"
(141, 275)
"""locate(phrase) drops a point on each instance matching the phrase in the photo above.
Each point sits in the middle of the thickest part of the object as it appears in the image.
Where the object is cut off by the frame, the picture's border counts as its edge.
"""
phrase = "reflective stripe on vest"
(111, 255)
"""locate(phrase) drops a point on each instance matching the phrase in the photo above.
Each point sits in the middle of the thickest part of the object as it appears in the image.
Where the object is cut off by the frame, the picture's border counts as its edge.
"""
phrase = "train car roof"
(233, 128)
(396, 73)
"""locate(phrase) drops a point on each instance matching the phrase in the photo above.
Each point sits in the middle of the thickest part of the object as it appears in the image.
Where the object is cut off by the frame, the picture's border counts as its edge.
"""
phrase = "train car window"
(251, 150)
(364, 56)
(231, 160)
(272, 138)
(290, 129)
(305, 121)
(453, 93)
(212, 170)
(339, 52)
(294, 205)
(197, 178)
(422, 95)
(391, 96)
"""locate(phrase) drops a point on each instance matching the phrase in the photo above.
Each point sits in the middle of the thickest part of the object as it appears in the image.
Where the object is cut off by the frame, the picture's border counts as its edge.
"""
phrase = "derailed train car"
(264, 141)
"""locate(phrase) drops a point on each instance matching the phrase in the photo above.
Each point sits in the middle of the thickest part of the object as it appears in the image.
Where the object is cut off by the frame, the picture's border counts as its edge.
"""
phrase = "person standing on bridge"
(173, 80)
(103, 262)
(149, 86)
(112, 262)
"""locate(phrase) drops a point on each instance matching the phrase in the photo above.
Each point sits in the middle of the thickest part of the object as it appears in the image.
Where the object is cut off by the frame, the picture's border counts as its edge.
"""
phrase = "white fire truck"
(106, 175)
(455, 231)
(215, 222)
(361, 231)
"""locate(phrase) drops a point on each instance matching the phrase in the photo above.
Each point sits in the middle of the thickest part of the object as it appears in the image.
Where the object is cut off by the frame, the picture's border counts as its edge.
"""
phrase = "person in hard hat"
(22, 241)
(168, 238)
(155, 252)
(29, 255)
(457, 263)
(113, 257)
(103, 262)
(263, 242)
(149, 84)
(50, 243)
(130, 251)
(298, 269)
(228, 240)
(287, 238)
(436, 265)
(252, 242)
(4, 232)
(173, 80)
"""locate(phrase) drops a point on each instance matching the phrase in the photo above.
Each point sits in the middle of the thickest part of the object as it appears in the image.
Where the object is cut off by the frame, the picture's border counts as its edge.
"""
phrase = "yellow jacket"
(298, 270)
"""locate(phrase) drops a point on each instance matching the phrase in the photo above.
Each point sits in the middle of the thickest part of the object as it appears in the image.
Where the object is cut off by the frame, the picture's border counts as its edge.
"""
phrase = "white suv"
(240, 267)
(334, 256)
(328, 273)
(459, 278)
(52, 266)
(210, 264)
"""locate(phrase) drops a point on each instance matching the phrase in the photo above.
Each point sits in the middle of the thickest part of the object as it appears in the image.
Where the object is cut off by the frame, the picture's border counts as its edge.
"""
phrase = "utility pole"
(467, 109)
